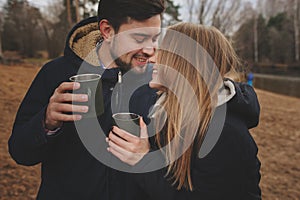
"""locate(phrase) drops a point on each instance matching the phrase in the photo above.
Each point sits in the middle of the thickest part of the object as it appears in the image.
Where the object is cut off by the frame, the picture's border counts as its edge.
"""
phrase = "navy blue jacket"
(230, 171)
(69, 171)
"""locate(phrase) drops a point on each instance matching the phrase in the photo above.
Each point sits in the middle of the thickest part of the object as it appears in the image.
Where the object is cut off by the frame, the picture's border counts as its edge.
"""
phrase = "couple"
(211, 156)
(202, 119)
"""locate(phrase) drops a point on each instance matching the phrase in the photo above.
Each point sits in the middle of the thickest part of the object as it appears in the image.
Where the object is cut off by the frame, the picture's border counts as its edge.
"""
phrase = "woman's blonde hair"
(200, 63)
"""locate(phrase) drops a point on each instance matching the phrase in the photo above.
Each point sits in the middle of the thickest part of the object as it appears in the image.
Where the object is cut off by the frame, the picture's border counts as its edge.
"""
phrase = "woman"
(202, 120)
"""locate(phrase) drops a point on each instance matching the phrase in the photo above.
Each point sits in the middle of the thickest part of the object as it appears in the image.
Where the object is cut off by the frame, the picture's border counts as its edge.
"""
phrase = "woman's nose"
(152, 59)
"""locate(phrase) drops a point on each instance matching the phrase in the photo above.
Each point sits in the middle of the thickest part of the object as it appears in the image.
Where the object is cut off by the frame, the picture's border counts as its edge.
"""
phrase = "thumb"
(144, 132)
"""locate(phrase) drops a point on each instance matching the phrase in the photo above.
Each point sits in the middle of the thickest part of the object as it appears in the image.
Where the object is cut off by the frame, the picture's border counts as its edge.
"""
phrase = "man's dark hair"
(118, 12)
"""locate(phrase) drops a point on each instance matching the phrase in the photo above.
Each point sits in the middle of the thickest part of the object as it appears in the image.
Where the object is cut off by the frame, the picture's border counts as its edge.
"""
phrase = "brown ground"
(277, 136)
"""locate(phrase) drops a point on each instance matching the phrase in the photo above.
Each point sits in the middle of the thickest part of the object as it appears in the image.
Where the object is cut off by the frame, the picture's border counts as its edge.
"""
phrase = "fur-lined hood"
(81, 42)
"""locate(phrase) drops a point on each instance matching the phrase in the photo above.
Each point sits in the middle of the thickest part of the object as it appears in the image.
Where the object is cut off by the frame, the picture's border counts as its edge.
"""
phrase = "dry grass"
(277, 136)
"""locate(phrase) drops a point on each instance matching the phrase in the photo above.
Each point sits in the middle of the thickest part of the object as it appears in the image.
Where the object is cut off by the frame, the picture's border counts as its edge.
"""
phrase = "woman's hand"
(127, 147)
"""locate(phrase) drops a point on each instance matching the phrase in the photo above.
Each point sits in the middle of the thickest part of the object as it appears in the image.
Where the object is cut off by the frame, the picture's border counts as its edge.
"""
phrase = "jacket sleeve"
(246, 104)
(28, 141)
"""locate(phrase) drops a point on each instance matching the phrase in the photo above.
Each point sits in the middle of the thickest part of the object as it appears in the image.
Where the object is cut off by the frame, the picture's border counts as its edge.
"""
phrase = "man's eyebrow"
(144, 35)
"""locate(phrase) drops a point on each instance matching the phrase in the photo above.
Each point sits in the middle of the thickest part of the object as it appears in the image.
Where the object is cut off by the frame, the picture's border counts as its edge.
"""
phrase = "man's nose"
(150, 51)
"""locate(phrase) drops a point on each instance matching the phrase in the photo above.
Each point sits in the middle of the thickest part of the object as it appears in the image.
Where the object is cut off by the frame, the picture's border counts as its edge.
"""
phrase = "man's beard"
(123, 66)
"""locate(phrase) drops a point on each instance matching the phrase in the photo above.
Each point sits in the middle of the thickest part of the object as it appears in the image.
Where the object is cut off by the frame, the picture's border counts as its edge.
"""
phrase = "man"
(45, 128)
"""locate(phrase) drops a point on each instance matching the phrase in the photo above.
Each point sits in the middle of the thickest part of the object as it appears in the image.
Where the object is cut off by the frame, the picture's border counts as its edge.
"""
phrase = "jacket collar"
(82, 41)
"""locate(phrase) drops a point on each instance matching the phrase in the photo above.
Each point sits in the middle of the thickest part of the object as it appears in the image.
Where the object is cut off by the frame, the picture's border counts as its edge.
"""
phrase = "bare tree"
(1, 24)
(204, 9)
(256, 12)
(53, 10)
(55, 28)
(227, 15)
(77, 11)
(255, 36)
(292, 8)
(21, 28)
(191, 6)
(59, 16)
(271, 8)
(224, 15)
(1, 54)
(296, 28)
(68, 7)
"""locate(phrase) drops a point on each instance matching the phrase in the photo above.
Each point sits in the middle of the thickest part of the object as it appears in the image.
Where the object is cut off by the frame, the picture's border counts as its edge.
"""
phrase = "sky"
(36, 3)
(43, 3)
(183, 10)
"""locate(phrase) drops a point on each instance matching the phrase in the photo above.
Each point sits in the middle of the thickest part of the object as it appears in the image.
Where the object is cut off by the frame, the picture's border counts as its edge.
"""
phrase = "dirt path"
(278, 139)
(277, 136)
(16, 182)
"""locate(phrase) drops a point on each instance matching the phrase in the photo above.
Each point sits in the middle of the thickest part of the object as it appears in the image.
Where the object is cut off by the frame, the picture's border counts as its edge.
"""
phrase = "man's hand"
(127, 147)
(60, 104)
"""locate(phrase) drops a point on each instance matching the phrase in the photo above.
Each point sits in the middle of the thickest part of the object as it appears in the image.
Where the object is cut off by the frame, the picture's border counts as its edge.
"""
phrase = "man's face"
(135, 43)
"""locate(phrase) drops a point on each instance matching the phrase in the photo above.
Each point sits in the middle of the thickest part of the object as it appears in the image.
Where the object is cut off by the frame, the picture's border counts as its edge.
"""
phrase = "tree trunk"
(77, 11)
(191, 9)
(255, 35)
(296, 29)
(1, 54)
(201, 11)
(69, 13)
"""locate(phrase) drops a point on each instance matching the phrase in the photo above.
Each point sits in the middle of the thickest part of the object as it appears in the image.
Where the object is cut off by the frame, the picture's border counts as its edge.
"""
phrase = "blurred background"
(265, 34)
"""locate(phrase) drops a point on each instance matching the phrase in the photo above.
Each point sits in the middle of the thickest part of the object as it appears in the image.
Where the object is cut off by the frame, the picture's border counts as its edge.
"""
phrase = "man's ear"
(106, 30)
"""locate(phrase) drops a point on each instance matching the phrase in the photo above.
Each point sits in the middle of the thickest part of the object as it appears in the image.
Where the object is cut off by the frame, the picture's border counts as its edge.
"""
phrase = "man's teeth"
(142, 60)
(155, 71)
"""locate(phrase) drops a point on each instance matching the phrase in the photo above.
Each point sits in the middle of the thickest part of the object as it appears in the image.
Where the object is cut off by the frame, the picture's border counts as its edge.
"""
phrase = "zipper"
(120, 77)
(119, 93)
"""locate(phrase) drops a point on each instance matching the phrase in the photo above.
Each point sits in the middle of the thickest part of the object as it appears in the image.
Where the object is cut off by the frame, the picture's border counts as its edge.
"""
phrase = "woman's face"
(155, 83)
